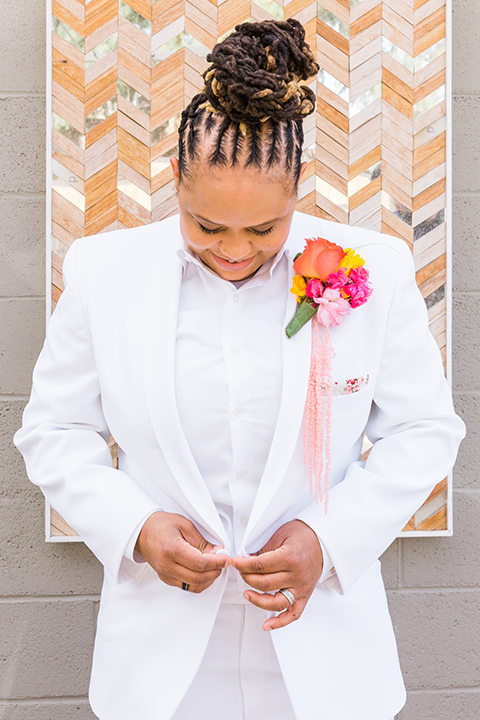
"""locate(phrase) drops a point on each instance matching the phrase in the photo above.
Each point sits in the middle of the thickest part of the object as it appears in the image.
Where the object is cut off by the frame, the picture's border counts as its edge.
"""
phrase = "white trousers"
(239, 678)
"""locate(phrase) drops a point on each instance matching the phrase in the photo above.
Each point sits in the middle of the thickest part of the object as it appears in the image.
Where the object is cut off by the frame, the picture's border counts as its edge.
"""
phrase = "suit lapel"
(158, 350)
(296, 367)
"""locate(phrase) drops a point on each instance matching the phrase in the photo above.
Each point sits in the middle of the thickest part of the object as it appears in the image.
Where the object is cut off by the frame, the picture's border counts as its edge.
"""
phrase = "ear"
(303, 167)
(174, 165)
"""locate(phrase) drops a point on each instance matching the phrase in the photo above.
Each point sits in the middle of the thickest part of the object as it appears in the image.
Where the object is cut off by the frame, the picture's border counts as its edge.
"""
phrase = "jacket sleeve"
(415, 434)
(64, 436)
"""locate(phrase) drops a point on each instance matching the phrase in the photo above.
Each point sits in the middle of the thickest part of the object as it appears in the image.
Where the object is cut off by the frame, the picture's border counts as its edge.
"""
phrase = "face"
(234, 219)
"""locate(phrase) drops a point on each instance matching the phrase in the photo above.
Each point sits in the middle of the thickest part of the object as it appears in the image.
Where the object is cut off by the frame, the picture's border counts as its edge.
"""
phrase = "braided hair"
(252, 105)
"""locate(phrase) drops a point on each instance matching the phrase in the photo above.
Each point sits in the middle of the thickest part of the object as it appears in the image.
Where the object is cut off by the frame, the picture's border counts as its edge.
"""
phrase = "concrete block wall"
(49, 593)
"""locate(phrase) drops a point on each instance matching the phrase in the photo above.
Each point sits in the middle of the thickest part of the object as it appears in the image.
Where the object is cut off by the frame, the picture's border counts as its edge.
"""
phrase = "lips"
(223, 263)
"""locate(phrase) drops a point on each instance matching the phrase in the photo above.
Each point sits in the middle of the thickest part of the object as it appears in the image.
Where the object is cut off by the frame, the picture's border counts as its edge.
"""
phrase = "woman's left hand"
(291, 559)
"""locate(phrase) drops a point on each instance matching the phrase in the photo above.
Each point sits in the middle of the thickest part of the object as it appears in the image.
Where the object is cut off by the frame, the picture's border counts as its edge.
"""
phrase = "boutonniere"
(329, 281)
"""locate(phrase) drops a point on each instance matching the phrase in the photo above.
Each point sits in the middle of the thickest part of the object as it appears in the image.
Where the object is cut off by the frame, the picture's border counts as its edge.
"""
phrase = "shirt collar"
(186, 255)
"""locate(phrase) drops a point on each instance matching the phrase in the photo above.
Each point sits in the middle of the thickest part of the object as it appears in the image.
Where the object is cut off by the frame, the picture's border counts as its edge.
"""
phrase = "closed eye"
(213, 232)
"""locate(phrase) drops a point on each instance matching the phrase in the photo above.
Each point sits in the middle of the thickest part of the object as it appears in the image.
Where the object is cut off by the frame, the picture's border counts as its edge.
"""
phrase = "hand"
(177, 552)
(291, 559)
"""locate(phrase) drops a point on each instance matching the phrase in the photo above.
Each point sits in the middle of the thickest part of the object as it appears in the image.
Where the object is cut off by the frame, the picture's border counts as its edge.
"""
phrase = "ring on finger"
(185, 586)
(289, 595)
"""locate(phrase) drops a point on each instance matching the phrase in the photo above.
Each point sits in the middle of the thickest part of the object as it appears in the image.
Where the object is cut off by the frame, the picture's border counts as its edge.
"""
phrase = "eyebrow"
(267, 222)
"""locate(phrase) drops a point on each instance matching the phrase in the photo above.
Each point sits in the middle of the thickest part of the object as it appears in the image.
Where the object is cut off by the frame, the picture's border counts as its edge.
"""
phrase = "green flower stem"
(304, 313)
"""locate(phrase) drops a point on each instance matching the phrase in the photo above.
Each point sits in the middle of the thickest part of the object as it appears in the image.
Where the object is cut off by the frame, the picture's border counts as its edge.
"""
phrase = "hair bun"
(256, 71)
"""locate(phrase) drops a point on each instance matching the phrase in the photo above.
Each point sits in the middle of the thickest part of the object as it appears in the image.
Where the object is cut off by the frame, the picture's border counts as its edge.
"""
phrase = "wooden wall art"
(378, 146)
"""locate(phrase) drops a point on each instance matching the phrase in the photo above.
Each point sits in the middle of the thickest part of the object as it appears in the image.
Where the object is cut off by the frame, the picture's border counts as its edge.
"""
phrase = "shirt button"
(236, 412)
(244, 521)
(240, 474)
(235, 297)
(235, 350)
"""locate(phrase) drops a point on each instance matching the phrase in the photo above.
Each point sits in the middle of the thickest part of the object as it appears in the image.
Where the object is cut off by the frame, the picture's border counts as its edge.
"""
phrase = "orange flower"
(320, 258)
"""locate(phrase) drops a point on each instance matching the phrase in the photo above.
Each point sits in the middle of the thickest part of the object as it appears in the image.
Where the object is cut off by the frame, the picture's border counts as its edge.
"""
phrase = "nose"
(238, 249)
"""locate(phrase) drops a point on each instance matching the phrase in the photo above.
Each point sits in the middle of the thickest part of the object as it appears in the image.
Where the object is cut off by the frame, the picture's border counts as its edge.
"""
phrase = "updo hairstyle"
(252, 105)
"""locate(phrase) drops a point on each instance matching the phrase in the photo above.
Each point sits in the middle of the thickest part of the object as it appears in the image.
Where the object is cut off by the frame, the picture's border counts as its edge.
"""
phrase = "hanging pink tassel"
(318, 413)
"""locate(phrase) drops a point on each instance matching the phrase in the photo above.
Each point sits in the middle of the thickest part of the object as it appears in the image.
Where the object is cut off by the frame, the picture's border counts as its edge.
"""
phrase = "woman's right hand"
(178, 553)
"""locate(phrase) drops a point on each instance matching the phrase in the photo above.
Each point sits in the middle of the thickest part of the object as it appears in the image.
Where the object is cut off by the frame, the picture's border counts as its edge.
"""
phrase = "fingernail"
(246, 596)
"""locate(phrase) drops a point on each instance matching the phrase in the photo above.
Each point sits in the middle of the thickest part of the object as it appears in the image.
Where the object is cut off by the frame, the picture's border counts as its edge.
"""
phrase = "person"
(229, 592)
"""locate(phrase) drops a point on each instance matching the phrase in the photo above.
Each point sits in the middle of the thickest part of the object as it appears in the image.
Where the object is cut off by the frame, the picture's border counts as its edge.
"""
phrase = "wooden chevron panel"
(123, 70)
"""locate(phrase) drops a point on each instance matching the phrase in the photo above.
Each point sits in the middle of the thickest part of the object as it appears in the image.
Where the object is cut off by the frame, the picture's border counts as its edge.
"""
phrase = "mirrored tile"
(398, 54)
(435, 297)
(165, 129)
(68, 191)
(162, 162)
(167, 48)
(101, 114)
(103, 49)
(430, 132)
(333, 21)
(333, 84)
(134, 192)
(68, 131)
(141, 22)
(273, 8)
(68, 34)
(369, 97)
(364, 178)
(58, 247)
(331, 193)
(196, 46)
(397, 208)
(133, 96)
(427, 225)
(430, 54)
(308, 153)
(427, 103)
(67, 176)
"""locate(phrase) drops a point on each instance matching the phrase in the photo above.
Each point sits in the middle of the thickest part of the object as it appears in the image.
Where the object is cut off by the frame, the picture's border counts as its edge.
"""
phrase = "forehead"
(236, 195)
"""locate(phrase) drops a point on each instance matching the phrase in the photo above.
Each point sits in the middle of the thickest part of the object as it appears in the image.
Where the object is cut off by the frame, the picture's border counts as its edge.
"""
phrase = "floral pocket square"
(347, 387)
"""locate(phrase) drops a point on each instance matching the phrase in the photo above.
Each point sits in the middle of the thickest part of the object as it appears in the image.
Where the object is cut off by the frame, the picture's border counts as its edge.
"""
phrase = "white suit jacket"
(107, 366)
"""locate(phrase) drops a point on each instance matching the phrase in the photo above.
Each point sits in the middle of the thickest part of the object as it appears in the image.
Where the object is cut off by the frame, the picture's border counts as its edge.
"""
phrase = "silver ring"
(290, 596)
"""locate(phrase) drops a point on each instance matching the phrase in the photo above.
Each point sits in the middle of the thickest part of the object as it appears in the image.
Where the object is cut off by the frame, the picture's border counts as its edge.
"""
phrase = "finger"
(269, 562)
(265, 601)
(268, 583)
(193, 559)
(194, 588)
(183, 574)
(292, 613)
(196, 539)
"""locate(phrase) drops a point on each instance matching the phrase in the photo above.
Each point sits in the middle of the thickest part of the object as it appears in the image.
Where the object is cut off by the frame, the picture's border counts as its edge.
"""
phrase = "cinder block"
(46, 648)
(447, 561)
(47, 710)
(466, 158)
(22, 329)
(32, 567)
(22, 120)
(466, 47)
(22, 43)
(466, 472)
(442, 706)
(466, 241)
(438, 637)
(466, 341)
(389, 561)
(22, 250)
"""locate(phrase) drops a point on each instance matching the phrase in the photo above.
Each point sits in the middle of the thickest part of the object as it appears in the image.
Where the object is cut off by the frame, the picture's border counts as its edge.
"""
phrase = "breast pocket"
(348, 402)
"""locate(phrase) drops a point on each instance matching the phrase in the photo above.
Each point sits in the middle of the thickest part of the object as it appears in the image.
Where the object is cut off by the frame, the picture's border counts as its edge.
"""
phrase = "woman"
(228, 591)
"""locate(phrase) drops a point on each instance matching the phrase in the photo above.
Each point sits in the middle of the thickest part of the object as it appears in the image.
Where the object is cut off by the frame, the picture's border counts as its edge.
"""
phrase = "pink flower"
(359, 294)
(359, 275)
(314, 289)
(331, 307)
(338, 279)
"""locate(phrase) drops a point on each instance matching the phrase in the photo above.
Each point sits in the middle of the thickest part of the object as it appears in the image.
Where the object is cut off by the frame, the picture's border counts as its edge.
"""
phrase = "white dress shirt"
(228, 393)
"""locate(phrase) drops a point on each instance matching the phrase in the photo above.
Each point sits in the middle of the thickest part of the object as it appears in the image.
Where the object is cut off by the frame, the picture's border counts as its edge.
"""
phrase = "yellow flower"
(298, 286)
(351, 260)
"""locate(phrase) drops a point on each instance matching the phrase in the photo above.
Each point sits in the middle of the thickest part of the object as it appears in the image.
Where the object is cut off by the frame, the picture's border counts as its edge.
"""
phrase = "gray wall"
(49, 593)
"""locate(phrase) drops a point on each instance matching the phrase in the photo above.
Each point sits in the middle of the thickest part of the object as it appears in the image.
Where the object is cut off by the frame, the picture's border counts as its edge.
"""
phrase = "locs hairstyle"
(252, 102)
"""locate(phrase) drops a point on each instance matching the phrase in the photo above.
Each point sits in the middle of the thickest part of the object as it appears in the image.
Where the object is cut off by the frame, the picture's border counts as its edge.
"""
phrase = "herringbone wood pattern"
(376, 146)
